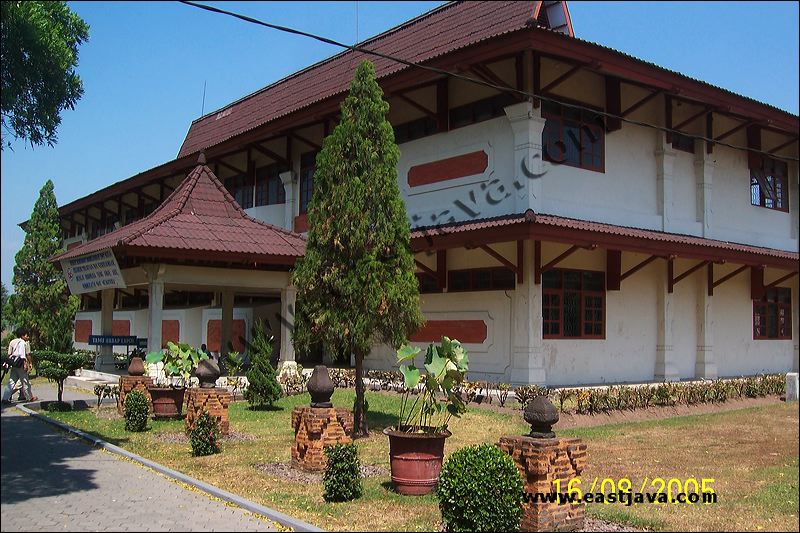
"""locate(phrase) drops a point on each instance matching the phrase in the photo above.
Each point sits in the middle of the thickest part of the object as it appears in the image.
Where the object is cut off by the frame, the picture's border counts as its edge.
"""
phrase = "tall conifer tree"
(356, 284)
(41, 301)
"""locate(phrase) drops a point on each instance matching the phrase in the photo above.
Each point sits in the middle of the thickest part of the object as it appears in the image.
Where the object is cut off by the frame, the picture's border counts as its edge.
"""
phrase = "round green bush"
(480, 489)
(137, 410)
(342, 478)
(204, 436)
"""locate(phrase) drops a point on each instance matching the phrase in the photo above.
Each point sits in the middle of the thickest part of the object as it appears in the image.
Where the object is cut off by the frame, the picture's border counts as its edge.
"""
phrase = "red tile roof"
(201, 216)
(597, 227)
(438, 32)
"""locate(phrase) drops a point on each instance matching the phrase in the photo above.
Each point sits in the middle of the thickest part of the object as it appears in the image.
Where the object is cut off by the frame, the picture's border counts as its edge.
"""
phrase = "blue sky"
(145, 63)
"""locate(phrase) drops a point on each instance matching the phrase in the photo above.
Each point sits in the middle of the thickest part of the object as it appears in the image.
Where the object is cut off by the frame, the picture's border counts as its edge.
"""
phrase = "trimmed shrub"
(342, 478)
(263, 387)
(204, 436)
(57, 367)
(58, 407)
(137, 411)
(480, 489)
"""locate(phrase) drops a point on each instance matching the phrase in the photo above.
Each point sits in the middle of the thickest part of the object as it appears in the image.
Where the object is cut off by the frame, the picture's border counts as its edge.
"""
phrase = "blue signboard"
(114, 340)
(141, 343)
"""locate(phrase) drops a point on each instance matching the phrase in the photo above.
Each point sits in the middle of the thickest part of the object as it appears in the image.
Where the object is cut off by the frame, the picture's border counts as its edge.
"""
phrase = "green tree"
(6, 310)
(39, 54)
(263, 387)
(356, 284)
(42, 304)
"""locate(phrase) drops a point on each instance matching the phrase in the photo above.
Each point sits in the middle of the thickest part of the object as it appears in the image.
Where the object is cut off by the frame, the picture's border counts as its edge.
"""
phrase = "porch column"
(288, 299)
(105, 361)
(527, 124)
(665, 363)
(227, 322)
(287, 179)
(156, 291)
(665, 163)
(704, 165)
(528, 357)
(705, 366)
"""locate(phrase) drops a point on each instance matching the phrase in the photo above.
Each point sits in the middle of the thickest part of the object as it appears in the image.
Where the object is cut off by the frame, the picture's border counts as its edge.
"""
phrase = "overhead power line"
(469, 79)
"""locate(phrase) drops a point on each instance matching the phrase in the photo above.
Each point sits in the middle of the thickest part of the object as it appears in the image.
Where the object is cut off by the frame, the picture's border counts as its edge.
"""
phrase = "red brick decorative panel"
(472, 331)
(170, 331)
(121, 328)
(130, 383)
(448, 169)
(214, 334)
(301, 223)
(214, 400)
(315, 428)
(83, 328)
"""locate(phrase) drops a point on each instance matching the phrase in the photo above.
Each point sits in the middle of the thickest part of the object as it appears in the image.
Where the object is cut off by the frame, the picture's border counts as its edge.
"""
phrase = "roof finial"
(201, 159)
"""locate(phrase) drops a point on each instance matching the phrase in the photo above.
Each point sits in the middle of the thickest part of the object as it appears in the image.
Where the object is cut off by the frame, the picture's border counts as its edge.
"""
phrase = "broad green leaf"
(154, 357)
(411, 375)
(436, 365)
(407, 352)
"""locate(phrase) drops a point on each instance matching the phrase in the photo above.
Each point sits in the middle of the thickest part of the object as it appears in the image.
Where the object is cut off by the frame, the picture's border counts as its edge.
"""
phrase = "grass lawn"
(752, 454)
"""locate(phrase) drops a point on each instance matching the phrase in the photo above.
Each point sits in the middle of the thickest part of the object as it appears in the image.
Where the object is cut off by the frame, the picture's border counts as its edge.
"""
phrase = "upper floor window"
(481, 110)
(481, 279)
(769, 185)
(682, 142)
(416, 129)
(269, 188)
(772, 314)
(573, 304)
(573, 137)
(427, 283)
(308, 163)
(241, 189)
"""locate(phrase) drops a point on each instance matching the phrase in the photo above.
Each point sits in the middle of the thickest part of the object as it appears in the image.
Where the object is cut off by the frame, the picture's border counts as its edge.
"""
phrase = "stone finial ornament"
(207, 372)
(136, 367)
(541, 414)
(320, 387)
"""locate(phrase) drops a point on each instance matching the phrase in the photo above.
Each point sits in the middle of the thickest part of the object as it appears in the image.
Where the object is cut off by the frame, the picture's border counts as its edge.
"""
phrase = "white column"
(705, 365)
(287, 178)
(156, 308)
(796, 326)
(665, 363)
(527, 125)
(287, 363)
(528, 356)
(227, 322)
(105, 361)
(704, 165)
(665, 163)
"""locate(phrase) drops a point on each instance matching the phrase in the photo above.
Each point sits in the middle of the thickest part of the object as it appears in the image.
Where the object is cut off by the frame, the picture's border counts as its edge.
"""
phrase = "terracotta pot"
(416, 460)
(167, 401)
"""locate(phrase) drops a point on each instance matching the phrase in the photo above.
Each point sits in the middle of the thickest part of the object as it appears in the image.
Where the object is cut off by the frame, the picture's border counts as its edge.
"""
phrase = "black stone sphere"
(320, 387)
(541, 414)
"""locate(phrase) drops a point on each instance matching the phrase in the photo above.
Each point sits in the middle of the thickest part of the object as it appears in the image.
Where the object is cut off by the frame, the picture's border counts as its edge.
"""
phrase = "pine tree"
(263, 387)
(41, 301)
(356, 283)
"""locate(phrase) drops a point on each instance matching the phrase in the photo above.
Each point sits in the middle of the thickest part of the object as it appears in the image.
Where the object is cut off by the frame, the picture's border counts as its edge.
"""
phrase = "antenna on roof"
(203, 106)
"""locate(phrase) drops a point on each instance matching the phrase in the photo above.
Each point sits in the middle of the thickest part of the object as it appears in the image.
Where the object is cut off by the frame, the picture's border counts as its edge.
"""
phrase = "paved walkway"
(55, 482)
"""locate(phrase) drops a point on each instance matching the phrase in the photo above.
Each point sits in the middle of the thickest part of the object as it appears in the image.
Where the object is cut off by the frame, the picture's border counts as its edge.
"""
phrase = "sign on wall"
(93, 272)
(114, 340)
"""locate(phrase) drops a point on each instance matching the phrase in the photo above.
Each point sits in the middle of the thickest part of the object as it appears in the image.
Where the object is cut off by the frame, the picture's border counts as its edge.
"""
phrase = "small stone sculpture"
(541, 414)
(136, 367)
(320, 387)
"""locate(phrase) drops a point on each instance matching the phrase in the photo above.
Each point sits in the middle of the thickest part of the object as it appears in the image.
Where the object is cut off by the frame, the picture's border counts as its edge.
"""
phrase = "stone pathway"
(54, 482)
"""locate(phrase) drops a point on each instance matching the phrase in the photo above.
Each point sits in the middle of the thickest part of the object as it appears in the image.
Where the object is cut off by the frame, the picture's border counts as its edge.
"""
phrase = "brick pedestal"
(315, 428)
(215, 401)
(129, 383)
(541, 462)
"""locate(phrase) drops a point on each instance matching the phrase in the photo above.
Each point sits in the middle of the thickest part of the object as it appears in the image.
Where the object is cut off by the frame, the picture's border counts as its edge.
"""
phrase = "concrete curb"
(277, 516)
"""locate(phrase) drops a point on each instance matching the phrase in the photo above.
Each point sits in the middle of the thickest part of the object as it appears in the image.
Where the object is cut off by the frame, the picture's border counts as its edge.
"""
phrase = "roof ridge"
(185, 189)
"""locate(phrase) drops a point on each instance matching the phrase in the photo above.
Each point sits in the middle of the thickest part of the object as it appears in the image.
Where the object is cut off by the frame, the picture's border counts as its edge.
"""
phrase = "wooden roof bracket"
(514, 267)
(539, 270)
(780, 280)
(631, 271)
(673, 280)
(426, 270)
(713, 284)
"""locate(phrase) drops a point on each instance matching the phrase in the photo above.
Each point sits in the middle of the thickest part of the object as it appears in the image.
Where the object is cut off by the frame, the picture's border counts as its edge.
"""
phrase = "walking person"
(19, 354)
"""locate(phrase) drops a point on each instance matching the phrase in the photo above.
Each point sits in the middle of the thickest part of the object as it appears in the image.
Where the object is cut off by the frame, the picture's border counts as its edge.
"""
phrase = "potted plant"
(416, 445)
(169, 390)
